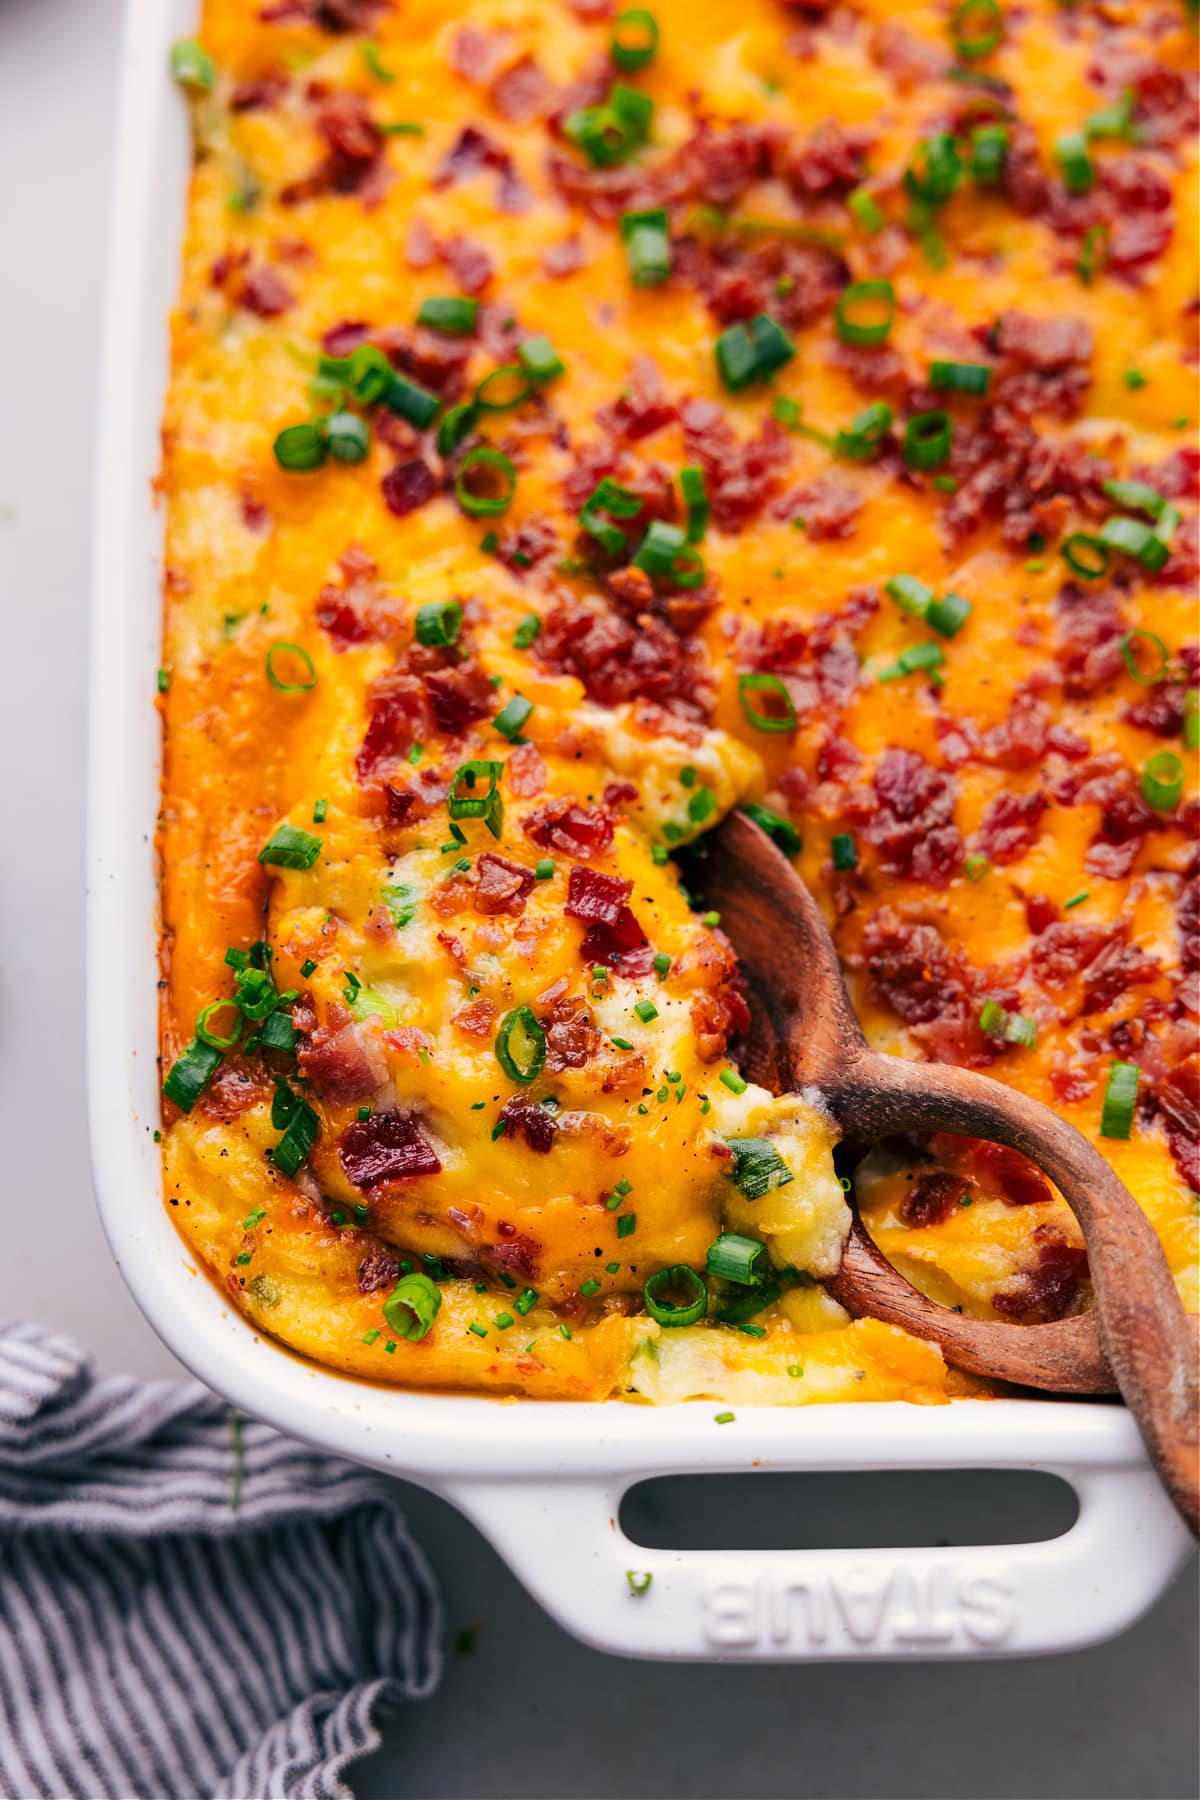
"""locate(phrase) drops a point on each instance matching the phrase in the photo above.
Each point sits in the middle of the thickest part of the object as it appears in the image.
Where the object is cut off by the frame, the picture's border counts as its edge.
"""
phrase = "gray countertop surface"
(529, 1712)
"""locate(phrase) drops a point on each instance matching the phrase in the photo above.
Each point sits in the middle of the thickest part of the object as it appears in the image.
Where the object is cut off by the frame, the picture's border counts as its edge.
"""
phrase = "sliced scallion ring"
(740, 1259)
(299, 654)
(676, 1296)
(412, 1306)
(927, 438)
(347, 437)
(1086, 555)
(977, 26)
(213, 1038)
(779, 829)
(865, 312)
(757, 1167)
(1129, 656)
(783, 719)
(865, 433)
(503, 389)
(1162, 781)
(483, 465)
(634, 38)
(521, 1046)
(300, 448)
(191, 1073)
(1120, 1099)
(438, 623)
(695, 498)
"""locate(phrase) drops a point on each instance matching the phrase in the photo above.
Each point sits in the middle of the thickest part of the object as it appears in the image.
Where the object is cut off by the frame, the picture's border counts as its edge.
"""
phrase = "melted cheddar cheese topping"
(455, 663)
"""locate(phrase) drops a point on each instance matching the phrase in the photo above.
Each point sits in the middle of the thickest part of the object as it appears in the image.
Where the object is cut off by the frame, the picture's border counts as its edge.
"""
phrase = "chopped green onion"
(663, 551)
(1120, 1099)
(300, 1126)
(347, 437)
(512, 717)
(366, 372)
(960, 377)
(410, 401)
(290, 848)
(843, 850)
(452, 314)
(647, 244)
(977, 26)
(191, 1073)
(949, 614)
(927, 439)
(1017, 1028)
(695, 498)
(752, 352)
(280, 648)
(738, 1308)
(646, 1011)
(733, 1081)
(1138, 495)
(1115, 121)
(1162, 782)
(989, 146)
(454, 427)
(865, 433)
(740, 1259)
(639, 1581)
(679, 1280)
(1076, 900)
(521, 1046)
(1191, 719)
(976, 867)
(192, 66)
(935, 170)
(488, 806)
(865, 312)
(1158, 672)
(1086, 555)
(1135, 539)
(1071, 154)
(866, 211)
(589, 1287)
(373, 62)
(540, 360)
(544, 869)
(1094, 253)
(438, 623)
(779, 829)
(300, 448)
(925, 658)
(479, 1330)
(626, 1224)
(412, 1306)
(498, 473)
(757, 1167)
(526, 1300)
(527, 630)
(911, 595)
(634, 38)
(278, 1032)
(620, 503)
(783, 718)
(1134, 379)
(609, 133)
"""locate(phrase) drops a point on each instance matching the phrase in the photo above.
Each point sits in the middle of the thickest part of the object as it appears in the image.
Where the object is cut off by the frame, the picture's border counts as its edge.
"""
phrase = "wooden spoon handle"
(1148, 1341)
(1062, 1358)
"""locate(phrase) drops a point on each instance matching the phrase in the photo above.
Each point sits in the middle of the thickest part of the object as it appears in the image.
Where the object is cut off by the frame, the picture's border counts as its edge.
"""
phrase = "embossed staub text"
(874, 1606)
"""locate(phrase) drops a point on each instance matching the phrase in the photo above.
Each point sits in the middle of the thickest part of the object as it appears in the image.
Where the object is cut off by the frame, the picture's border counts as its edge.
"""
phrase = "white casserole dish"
(543, 1481)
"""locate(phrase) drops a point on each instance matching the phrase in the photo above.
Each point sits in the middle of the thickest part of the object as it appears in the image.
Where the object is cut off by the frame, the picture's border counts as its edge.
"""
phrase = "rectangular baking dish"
(543, 1481)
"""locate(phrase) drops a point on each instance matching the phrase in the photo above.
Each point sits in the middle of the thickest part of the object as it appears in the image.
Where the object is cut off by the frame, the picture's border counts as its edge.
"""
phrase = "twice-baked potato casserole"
(587, 420)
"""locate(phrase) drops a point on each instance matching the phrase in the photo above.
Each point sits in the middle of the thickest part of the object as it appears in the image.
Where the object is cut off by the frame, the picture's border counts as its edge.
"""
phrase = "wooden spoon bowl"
(1137, 1339)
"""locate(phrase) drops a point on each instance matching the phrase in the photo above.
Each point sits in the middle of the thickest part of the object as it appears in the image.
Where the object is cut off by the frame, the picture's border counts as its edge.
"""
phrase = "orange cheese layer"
(977, 830)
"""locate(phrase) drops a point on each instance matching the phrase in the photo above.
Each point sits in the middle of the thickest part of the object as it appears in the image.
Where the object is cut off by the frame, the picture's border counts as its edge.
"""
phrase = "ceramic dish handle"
(563, 1538)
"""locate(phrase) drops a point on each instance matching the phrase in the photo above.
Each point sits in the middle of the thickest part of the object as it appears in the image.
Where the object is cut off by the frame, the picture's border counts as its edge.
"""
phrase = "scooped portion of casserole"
(583, 422)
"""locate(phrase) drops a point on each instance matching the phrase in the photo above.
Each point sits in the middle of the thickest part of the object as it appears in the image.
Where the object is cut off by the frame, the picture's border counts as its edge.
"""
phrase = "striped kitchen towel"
(190, 1604)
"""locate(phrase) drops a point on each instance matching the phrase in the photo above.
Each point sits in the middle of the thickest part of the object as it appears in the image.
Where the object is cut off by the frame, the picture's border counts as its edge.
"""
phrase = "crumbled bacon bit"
(408, 486)
(525, 1118)
(521, 92)
(504, 886)
(595, 898)
(471, 154)
(233, 1091)
(469, 263)
(564, 258)
(477, 1018)
(932, 1198)
(264, 292)
(914, 827)
(1052, 1288)
(616, 660)
(458, 697)
(343, 1061)
(832, 161)
(1009, 827)
(828, 507)
(526, 773)
(1179, 1103)
(572, 1039)
(570, 826)
(379, 1268)
(389, 1146)
(642, 407)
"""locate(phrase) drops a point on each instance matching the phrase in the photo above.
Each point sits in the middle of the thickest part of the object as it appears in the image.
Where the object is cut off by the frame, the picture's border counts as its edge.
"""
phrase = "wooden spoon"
(1137, 1338)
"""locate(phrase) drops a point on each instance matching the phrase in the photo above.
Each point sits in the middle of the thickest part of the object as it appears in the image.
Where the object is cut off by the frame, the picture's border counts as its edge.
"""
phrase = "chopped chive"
(647, 246)
(1071, 154)
(320, 811)
(620, 1043)
(843, 850)
(976, 867)
(646, 1011)
(512, 717)
(290, 848)
(540, 360)
(733, 1081)
(662, 963)
(589, 1287)
(865, 312)
(450, 313)
(866, 211)
(626, 1224)
(526, 631)
(725, 1418)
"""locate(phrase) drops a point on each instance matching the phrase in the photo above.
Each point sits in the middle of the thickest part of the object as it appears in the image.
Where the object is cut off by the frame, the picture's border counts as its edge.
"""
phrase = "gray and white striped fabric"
(190, 1604)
